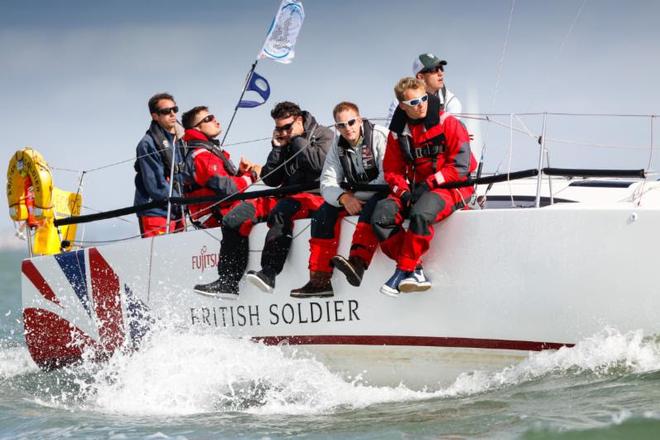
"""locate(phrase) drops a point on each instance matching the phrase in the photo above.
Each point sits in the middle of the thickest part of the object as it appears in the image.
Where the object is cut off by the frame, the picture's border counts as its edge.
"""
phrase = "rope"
(560, 51)
(500, 63)
(476, 116)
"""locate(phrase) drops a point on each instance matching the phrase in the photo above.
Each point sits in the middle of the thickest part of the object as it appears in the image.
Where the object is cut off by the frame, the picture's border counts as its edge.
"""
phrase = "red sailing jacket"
(209, 174)
(441, 153)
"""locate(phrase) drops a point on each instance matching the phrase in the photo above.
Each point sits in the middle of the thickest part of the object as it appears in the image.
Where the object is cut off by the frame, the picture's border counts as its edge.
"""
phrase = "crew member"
(209, 169)
(356, 157)
(432, 148)
(154, 166)
(431, 69)
(299, 146)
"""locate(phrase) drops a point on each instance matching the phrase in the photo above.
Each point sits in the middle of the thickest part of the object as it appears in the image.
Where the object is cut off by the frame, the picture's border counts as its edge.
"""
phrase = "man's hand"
(246, 166)
(352, 204)
(279, 140)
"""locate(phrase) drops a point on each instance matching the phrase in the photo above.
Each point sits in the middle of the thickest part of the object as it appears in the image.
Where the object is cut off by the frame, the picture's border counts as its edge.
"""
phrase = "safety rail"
(292, 189)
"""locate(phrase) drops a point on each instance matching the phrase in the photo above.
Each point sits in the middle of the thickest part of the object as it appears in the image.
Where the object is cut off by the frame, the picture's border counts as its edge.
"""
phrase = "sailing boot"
(391, 286)
(353, 268)
(262, 279)
(416, 282)
(220, 288)
(318, 286)
(231, 265)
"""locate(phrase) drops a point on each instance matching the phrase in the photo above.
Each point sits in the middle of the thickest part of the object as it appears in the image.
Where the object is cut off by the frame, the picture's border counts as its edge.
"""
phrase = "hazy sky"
(75, 75)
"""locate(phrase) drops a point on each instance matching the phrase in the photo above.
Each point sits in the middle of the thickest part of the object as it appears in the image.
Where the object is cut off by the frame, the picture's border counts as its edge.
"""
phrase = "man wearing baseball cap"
(430, 69)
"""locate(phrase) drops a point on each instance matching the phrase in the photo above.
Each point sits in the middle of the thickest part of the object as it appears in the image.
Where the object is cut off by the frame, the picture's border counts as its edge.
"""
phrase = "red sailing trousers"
(408, 247)
(150, 226)
(326, 227)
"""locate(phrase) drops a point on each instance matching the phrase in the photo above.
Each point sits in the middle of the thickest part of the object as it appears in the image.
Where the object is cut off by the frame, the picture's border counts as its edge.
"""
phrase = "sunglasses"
(435, 69)
(416, 101)
(167, 111)
(344, 125)
(208, 118)
(286, 127)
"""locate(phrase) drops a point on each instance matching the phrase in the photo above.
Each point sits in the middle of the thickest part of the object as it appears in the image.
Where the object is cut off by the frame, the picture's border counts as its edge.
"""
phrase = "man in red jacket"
(431, 148)
(209, 169)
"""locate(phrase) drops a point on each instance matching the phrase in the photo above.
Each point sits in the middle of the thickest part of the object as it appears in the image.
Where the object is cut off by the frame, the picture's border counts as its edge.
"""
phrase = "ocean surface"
(189, 386)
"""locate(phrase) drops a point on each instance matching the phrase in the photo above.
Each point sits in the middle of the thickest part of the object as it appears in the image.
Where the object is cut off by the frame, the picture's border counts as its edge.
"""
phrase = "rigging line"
(78, 191)
(570, 30)
(134, 158)
(483, 116)
(525, 131)
(568, 141)
(498, 78)
(563, 44)
(500, 64)
(513, 203)
(474, 116)
(592, 145)
(68, 170)
(648, 166)
(259, 180)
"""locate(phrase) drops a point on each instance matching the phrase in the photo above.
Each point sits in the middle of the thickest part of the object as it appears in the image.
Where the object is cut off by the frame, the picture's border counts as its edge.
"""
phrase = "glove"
(405, 198)
(420, 189)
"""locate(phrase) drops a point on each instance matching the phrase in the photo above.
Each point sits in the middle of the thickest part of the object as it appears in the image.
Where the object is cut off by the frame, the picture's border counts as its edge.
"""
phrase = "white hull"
(505, 281)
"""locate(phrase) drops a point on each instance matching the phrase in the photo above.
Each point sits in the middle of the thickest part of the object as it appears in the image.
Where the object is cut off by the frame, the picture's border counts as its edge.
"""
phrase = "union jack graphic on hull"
(88, 314)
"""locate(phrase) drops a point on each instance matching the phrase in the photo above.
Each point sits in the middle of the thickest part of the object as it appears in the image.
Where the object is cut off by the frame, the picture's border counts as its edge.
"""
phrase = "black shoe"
(318, 286)
(218, 289)
(262, 280)
(353, 268)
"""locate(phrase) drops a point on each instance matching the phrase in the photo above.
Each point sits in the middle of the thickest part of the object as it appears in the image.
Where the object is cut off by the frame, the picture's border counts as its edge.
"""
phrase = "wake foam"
(186, 373)
(606, 353)
(15, 360)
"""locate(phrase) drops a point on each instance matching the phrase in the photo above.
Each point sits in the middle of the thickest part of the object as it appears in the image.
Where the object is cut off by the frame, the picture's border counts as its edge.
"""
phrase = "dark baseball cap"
(426, 61)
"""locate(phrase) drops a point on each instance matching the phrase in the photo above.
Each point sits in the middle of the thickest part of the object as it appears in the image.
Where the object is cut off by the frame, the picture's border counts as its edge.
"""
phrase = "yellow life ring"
(33, 199)
(29, 186)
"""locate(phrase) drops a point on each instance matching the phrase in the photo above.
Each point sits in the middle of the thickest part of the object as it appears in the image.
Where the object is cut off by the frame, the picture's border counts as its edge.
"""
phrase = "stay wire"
(259, 180)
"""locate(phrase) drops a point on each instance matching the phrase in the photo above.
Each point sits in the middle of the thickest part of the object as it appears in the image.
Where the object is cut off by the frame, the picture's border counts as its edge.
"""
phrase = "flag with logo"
(283, 32)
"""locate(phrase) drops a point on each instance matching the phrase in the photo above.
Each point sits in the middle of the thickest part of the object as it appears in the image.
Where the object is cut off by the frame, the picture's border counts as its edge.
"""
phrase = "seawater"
(184, 385)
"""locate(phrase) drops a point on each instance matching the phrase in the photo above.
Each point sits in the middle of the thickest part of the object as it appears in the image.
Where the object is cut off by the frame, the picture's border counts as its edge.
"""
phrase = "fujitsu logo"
(204, 260)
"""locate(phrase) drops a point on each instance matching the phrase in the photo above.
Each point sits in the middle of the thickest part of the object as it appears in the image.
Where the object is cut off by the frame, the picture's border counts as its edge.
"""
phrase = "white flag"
(283, 32)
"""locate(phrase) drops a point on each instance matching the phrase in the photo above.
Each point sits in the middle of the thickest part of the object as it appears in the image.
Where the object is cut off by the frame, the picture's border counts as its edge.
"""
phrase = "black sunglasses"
(286, 127)
(438, 68)
(208, 118)
(167, 111)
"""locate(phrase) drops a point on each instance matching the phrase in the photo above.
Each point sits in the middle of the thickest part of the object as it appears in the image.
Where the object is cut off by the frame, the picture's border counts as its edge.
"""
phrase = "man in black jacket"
(299, 146)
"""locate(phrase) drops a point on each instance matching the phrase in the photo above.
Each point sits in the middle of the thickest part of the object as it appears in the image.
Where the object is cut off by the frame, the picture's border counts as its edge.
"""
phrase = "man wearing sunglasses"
(430, 69)
(209, 169)
(356, 157)
(299, 146)
(432, 148)
(154, 165)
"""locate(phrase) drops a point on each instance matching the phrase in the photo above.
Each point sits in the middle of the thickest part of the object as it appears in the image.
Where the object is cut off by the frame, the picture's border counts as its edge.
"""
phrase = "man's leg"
(326, 224)
(326, 227)
(363, 245)
(151, 226)
(237, 221)
(386, 220)
(280, 235)
(433, 207)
